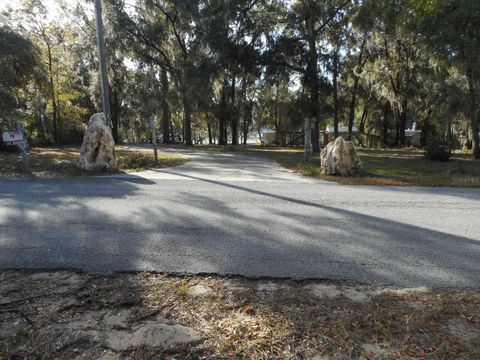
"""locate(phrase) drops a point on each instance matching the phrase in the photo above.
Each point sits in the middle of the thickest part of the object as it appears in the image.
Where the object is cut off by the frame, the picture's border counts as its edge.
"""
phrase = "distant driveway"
(226, 166)
(231, 213)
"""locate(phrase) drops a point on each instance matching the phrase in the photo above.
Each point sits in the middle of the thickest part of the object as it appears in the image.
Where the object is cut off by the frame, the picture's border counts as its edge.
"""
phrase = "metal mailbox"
(12, 137)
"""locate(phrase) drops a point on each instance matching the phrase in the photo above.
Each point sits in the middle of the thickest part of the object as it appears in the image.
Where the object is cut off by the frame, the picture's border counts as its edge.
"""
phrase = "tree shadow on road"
(70, 224)
(57, 224)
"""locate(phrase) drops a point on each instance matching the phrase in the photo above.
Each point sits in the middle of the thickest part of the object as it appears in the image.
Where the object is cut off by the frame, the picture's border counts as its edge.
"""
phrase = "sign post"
(153, 126)
(17, 138)
(307, 143)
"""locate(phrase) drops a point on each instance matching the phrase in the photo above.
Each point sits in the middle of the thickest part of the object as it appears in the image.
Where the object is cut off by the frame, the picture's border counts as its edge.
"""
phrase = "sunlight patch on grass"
(62, 162)
(386, 167)
(139, 161)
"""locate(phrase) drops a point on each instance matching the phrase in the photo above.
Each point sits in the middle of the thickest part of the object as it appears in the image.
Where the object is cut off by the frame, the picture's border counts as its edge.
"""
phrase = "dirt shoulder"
(70, 315)
(62, 162)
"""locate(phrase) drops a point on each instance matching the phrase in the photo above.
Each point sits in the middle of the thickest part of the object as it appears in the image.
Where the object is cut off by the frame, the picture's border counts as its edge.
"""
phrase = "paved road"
(236, 214)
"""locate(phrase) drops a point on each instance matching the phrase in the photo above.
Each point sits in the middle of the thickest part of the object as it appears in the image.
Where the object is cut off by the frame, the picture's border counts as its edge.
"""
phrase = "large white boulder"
(339, 157)
(98, 147)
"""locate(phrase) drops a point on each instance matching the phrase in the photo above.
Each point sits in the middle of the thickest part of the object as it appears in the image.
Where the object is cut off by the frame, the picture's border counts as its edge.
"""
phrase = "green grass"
(55, 162)
(381, 167)
(139, 161)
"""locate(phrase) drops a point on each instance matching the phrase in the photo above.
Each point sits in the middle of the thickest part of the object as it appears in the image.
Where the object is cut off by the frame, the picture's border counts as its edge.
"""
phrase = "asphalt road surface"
(237, 214)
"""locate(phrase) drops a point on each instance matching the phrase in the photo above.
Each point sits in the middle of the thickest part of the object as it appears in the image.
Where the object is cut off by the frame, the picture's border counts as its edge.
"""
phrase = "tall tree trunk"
(137, 133)
(167, 133)
(385, 123)
(54, 99)
(41, 118)
(209, 129)
(363, 119)
(473, 113)
(449, 136)
(248, 117)
(222, 133)
(187, 128)
(313, 81)
(396, 115)
(115, 113)
(276, 117)
(353, 101)
(187, 110)
(335, 93)
(403, 122)
(233, 113)
(244, 109)
(59, 119)
(426, 127)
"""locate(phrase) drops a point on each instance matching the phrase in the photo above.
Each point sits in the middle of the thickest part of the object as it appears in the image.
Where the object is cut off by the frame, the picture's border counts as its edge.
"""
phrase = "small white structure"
(267, 134)
(17, 138)
(329, 133)
(12, 137)
(341, 130)
(413, 137)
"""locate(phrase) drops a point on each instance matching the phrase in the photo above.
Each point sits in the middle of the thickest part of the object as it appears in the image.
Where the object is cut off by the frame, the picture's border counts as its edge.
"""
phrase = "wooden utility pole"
(102, 62)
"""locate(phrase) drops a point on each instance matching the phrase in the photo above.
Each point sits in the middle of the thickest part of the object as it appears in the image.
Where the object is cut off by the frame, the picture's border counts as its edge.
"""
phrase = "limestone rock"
(200, 290)
(153, 334)
(339, 157)
(356, 294)
(97, 151)
(269, 286)
(374, 349)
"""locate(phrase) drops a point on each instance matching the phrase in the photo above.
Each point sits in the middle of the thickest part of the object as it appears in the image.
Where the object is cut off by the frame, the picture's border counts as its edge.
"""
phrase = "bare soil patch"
(70, 315)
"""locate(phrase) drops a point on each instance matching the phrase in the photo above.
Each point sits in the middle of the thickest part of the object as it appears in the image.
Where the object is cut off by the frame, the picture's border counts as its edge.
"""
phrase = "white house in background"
(341, 129)
(413, 136)
(268, 136)
(327, 135)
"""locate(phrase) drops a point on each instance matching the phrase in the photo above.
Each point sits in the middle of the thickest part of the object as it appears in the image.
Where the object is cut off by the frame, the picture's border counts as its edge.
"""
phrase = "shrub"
(437, 149)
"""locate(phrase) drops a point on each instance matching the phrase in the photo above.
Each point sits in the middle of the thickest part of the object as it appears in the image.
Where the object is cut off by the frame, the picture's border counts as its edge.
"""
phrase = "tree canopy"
(220, 71)
(19, 62)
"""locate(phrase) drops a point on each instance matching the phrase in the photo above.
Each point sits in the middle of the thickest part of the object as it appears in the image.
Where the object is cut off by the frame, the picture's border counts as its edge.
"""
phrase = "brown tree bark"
(222, 113)
(187, 128)
(396, 116)
(425, 128)
(209, 129)
(233, 113)
(473, 113)
(335, 93)
(353, 101)
(363, 119)
(56, 139)
(244, 109)
(385, 123)
(313, 81)
(166, 115)
(403, 122)
(115, 114)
